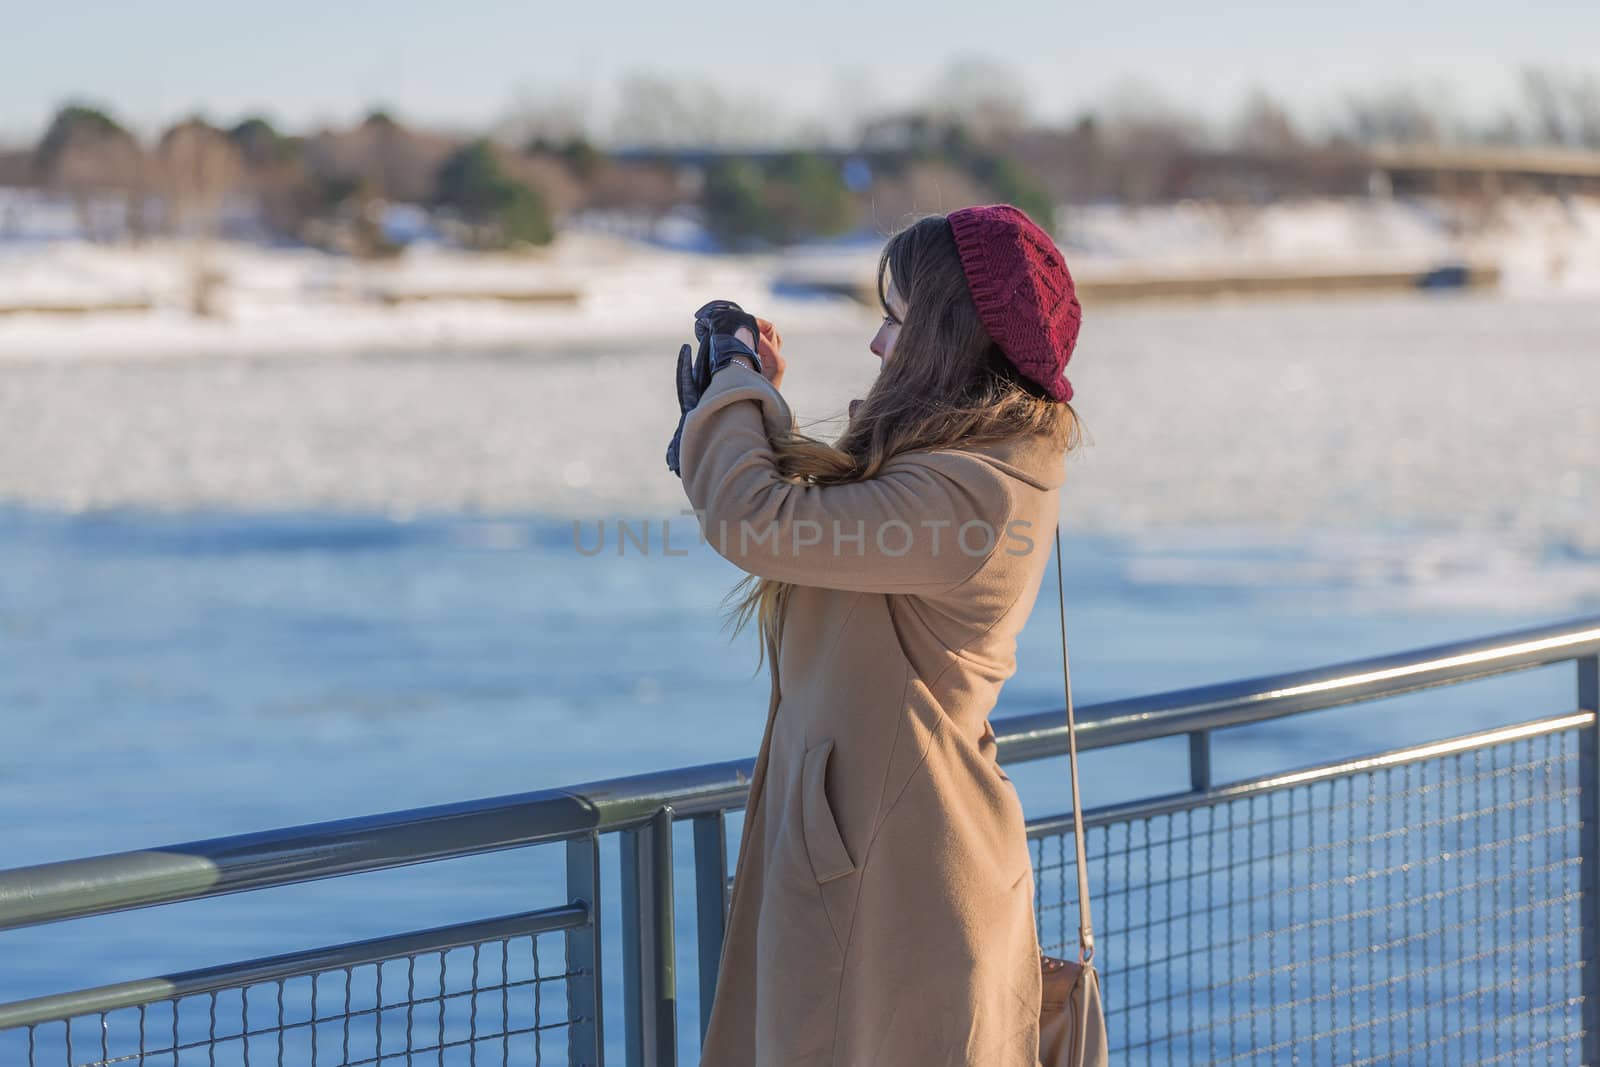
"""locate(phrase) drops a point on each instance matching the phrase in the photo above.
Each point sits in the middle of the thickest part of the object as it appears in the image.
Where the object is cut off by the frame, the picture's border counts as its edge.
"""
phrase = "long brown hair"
(946, 384)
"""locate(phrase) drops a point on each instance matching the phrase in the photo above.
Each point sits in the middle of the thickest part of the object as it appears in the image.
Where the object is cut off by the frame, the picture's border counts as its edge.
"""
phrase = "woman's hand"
(769, 347)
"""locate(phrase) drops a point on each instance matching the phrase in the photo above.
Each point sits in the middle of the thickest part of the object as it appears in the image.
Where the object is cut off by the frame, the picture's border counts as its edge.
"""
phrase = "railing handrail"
(1039, 734)
(77, 888)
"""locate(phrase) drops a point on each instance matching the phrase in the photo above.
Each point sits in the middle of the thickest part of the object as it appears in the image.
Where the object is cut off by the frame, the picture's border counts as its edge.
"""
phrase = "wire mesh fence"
(1422, 912)
(499, 1001)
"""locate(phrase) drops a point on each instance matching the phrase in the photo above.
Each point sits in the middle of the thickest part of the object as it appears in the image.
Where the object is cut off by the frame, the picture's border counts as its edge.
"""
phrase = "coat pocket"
(824, 844)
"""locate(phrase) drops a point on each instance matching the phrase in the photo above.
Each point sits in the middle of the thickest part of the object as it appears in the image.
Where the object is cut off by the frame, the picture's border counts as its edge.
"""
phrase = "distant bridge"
(1488, 170)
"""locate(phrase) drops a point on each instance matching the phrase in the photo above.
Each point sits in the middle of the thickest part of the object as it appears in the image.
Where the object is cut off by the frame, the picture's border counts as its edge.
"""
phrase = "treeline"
(328, 189)
(335, 188)
(331, 189)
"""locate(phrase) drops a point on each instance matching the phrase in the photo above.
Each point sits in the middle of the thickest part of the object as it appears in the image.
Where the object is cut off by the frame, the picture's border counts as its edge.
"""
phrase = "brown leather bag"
(1072, 1021)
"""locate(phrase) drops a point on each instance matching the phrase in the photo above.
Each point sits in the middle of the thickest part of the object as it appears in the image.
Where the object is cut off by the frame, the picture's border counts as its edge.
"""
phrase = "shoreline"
(600, 287)
(475, 329)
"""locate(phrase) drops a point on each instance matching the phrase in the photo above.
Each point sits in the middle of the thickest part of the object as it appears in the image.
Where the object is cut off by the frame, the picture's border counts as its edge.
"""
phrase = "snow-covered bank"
(285, 301)
(1541, 245)
(288, 301)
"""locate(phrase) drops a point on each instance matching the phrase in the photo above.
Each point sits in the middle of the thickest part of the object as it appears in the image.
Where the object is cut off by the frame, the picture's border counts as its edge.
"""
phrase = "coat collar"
(1030, 458)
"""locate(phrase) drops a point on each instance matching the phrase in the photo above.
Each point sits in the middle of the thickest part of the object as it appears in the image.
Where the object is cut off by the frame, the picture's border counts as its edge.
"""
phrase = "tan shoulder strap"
(1085, 925)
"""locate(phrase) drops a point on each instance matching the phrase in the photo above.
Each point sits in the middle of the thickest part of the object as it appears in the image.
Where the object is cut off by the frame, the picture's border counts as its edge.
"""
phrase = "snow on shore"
(287, 301)
(1542, 245)
(299, 301)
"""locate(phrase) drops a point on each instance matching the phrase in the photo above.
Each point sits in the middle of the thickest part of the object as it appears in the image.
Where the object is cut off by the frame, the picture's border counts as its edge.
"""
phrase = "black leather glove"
(718, 320)
(693, 375)
(724, 316)
(714, 326)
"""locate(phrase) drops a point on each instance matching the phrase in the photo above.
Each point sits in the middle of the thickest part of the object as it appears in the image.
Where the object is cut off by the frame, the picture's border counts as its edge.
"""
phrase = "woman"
(882, 911)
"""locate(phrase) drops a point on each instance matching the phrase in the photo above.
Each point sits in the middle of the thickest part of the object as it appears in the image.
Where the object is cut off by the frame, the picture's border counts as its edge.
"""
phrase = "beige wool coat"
(882, 911)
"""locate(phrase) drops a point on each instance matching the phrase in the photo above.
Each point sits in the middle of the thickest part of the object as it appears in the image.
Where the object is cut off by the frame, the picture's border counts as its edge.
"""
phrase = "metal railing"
(1436, 901)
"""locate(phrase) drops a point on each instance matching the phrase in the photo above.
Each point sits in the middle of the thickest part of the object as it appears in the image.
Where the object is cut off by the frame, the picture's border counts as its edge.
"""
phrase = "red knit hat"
(1023, 292)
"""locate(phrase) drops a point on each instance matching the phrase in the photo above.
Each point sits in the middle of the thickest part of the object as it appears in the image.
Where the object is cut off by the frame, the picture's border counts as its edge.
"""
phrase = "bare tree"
(90, 156)
(1263, 125)
(1505, 130)
(852, 99)
(1563, 109)
(394, 161)
(563, 193)
(918, 189)
(550, 116)
(984, 95)
(198, 166)
(661, 112)
(1144, 139)
(1397, 115)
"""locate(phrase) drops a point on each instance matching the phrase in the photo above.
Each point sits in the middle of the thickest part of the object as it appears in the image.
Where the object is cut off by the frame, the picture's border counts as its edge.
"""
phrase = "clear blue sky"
(467, 63)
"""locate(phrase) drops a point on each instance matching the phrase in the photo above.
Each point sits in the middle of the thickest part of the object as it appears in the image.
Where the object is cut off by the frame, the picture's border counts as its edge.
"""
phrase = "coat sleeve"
(926, 523)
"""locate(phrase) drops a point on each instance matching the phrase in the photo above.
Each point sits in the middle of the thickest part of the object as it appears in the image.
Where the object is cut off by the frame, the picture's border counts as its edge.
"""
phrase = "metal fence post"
(1589, 852)
(1200, 760)
(586, 1037)
(649, 983)
(710, 894)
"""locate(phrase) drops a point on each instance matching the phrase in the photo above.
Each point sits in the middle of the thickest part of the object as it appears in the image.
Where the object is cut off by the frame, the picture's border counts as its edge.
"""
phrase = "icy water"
(245, 594)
